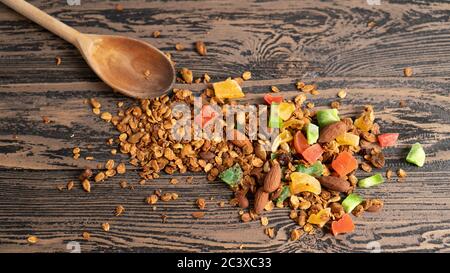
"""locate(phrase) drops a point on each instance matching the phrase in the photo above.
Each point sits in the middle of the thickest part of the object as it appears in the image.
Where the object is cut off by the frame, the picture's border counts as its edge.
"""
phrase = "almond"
(273, 179)
(242, 199)
(261, 199)
(334, 183)
(330, 132)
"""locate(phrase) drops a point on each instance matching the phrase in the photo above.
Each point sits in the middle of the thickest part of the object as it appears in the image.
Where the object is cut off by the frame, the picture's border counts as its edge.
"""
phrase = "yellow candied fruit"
(321, 218)
(348, 139)
(284, 137)
(365, 121)
(228, 89)
(301, 182)
(285, 110)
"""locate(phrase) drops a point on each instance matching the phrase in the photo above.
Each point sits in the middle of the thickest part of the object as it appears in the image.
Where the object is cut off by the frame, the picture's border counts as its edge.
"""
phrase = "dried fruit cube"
(344, 163)
(312, 153)
(416, 155)
(387, 140)
(348, 139)
(301, 182)
(321, 218)
(285, 110)
(228, 89)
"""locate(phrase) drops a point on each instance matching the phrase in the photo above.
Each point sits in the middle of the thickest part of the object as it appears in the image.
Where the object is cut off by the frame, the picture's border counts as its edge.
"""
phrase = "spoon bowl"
(131, 67)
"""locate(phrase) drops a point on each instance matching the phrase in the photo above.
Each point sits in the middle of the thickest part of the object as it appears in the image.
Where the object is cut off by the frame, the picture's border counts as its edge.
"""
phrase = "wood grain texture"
(327, 43)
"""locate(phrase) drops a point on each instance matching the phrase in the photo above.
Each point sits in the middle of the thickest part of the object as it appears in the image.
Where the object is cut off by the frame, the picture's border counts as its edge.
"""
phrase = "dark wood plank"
(326, 43)
(30, 204)
(291, 38)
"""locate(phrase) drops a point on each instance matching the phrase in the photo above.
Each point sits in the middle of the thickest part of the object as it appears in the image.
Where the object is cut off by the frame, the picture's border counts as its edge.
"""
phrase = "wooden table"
(330, 44)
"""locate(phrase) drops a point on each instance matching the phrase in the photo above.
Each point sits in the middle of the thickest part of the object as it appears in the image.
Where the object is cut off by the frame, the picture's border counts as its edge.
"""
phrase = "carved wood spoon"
(132, 67)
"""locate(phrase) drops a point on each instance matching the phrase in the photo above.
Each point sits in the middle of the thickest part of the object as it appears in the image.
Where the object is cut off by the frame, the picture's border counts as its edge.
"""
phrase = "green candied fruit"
(312, 133)
(416, 155)
(328, 116)
(274, 119)
(351, 201)
(371, 181)
(232, 176)
(315, 169)
(285, 193)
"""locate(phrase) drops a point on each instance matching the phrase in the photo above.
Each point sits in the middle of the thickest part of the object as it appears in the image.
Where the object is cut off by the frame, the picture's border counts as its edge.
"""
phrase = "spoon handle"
(38, 16)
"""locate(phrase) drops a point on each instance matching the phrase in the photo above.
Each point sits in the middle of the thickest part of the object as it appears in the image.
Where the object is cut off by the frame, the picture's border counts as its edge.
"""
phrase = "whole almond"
(242, 200)
(334, 183)
(273, 178)
(330, 132)
(261, 199)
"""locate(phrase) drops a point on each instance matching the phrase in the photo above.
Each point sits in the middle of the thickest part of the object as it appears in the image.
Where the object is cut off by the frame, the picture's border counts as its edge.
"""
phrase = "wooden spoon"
(132, 67)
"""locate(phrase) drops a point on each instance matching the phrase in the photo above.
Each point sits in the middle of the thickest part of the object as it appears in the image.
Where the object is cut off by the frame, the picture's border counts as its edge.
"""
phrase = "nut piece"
(201, 48)
(261, 199)
(86, 174)
(330, 132)
(334, 183)
(121, 169)
(401, 173)
(264, 221)
(375, 205)
(99, 177)
(119, 210)
(246, 75)
(86, 185)
(105, 227)
(408, 72)
(86, 235)
(201, 203)
(32, 239)
(198, 214)
(187, 75)
(296, 234)
(70, 185)
(273, 178)
(342, 94)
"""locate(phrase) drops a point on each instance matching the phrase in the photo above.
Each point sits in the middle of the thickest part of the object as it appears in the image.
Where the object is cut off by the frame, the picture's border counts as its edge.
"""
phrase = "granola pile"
(309, 167)
(305, 160)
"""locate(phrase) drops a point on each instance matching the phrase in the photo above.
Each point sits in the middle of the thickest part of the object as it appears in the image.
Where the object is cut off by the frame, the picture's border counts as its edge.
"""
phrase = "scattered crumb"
(247, 75)
(198, 214)
(274, 89)
(105, 227)
(32, 239)
(401, 173)
(264, 221)
(408, 72)
(119, 210)
(119, 7)
(342, 94)
(156, 33)
(46, 120)
(389, 174)
(179, 47)
(86, 235)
